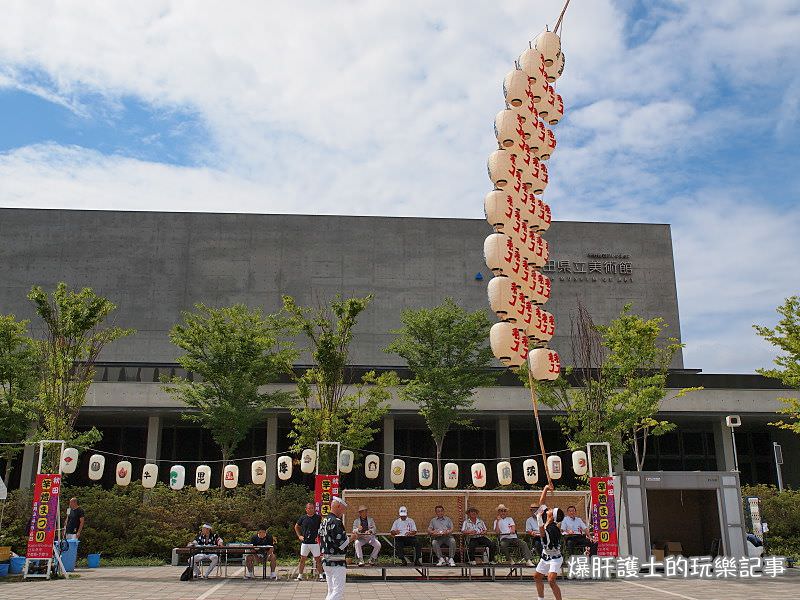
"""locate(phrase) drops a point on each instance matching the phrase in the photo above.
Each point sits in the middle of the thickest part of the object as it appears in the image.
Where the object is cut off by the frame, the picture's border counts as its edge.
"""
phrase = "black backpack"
(187, 574)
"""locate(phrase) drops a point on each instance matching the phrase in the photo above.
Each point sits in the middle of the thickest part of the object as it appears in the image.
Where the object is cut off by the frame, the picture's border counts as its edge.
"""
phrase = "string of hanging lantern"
(516, 250)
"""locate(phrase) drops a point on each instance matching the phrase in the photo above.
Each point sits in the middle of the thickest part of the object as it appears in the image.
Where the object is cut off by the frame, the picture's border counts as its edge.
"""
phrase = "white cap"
(207, 526)
(403, 512)
(337, 500)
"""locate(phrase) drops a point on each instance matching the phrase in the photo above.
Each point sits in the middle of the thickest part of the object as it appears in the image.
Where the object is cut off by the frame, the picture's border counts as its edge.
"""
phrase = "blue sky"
(679, 111)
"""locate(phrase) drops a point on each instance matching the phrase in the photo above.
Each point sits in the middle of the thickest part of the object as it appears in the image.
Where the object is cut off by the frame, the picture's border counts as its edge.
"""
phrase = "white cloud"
(386, 108)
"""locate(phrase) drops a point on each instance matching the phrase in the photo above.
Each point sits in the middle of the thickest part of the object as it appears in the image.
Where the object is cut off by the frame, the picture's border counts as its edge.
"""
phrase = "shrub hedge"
(133, 522)
(781, 511)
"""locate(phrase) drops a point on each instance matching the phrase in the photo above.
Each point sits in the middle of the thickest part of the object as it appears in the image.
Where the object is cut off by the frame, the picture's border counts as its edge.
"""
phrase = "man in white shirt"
(505, 527)
(404, 531)
(365, 527)
(441, 531)
(532, 529)
(474, 530)
(575, 533)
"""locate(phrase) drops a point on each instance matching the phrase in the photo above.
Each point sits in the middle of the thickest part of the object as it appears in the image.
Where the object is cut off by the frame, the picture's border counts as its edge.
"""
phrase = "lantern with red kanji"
(506, 299)
(542, 326)
(543, 98)
(499, 254)
(507, 128)
(555, 70)
(544, 364)
(516, 88)
(549, 44)
(501, 167)
(532, 62)
(549, 144)
(555, 115)
(498, 206)
(535, 177)
(509, 343)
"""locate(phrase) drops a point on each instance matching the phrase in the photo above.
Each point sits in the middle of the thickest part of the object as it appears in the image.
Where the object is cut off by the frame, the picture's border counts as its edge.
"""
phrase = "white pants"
(214, 558)
(312, 549)
(552, 565)
(372, 541)
(335, 577)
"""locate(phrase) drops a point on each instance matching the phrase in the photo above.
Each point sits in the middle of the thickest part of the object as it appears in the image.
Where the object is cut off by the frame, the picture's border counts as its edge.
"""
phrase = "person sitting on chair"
(441, 531)
(474, 530)
(507, 530)
(532, 529)
(205, 538)
(365, 527)
(261, 539)
(575, 532)
(404, 531)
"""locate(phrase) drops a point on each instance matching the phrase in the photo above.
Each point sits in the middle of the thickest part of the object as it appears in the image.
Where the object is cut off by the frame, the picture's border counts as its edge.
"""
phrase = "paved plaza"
(162, 582)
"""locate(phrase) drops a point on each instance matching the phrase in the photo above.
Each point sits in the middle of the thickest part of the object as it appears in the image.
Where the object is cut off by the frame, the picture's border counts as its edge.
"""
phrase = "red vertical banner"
(604, 515)
(43, 524)
(327, 486)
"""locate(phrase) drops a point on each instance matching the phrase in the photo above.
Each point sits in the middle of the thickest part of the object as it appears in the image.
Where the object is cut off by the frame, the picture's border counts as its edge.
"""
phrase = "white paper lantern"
(555, 70)
(498, 206)
(538, 250)
(398, 471)
(202, 478)
(372, 465)
(177, 477)
(69, 460)
(544, 363)
(230, 476)
(549, 44)
(532, 62)
(554, 466)
(537, 177)
(478, 471)
(544, 215)
(122, 473)
(149, 475)
(97, 463)
(346, 461)
(501, 168)
(308, 460)
(530, 469)
(507, 128)
(285, 467)
(555, 115)
(498, 252)
(504, 472)
(507, 300)
(549, 145)
(543, 99)
(425, 472)
(542, 326)
(508, 343)
(451, 475)
(516, 88)
(258, 472)
(579, 463)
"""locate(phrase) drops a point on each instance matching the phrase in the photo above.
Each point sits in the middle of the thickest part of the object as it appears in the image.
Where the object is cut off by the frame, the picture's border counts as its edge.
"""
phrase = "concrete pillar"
(28, 467)
(723, 446)
(388, 451)
(153, 452)
(503, 438)
(272, 450)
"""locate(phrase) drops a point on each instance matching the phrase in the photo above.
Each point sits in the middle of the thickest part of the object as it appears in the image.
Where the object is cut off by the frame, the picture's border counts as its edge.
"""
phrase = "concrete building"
(155, 265)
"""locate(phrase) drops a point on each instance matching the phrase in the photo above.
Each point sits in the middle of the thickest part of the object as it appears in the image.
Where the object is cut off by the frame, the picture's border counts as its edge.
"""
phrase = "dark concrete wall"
(154, 265)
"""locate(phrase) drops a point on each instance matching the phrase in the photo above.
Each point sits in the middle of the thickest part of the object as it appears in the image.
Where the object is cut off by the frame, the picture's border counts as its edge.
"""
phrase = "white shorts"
(552, 565)
(313, 549)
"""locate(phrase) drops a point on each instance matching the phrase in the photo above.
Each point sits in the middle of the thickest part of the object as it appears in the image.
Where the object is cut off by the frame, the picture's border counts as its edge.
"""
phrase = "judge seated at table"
(575, 533)
(205, 538)
(404, 531)
(262, 538)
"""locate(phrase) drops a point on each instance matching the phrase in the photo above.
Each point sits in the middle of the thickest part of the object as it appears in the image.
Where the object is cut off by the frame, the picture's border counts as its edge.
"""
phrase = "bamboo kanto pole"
(538, 426)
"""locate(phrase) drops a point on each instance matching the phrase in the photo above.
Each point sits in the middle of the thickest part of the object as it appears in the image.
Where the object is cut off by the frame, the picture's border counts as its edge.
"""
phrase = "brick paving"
(145, 583)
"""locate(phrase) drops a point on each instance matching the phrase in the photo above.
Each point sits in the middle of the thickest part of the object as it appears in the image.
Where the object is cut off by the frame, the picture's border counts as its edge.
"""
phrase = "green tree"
(74, 337)
(232, 352)
(333, 408)
(620, 381)
(446, 349)
(786, 336)
(19, 378)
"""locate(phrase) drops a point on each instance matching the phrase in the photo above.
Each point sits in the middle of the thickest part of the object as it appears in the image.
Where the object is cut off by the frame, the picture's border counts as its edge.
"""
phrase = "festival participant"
(576, 533)
(205, 538)
(334, 540)
(505, 527)
(532, 529)
(550, 563)
(261, 539)
(307, 530)
(474, 529)
(365, 527)
(441, 532)
(76, 519)
(404, 531)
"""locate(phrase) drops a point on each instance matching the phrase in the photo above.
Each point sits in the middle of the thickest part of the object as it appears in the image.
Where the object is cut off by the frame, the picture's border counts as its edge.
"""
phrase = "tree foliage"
(19, 378)
(331, 407)
(446, 349)
(232, 352)
(786, 336)
(620, 381)
(74, 337)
